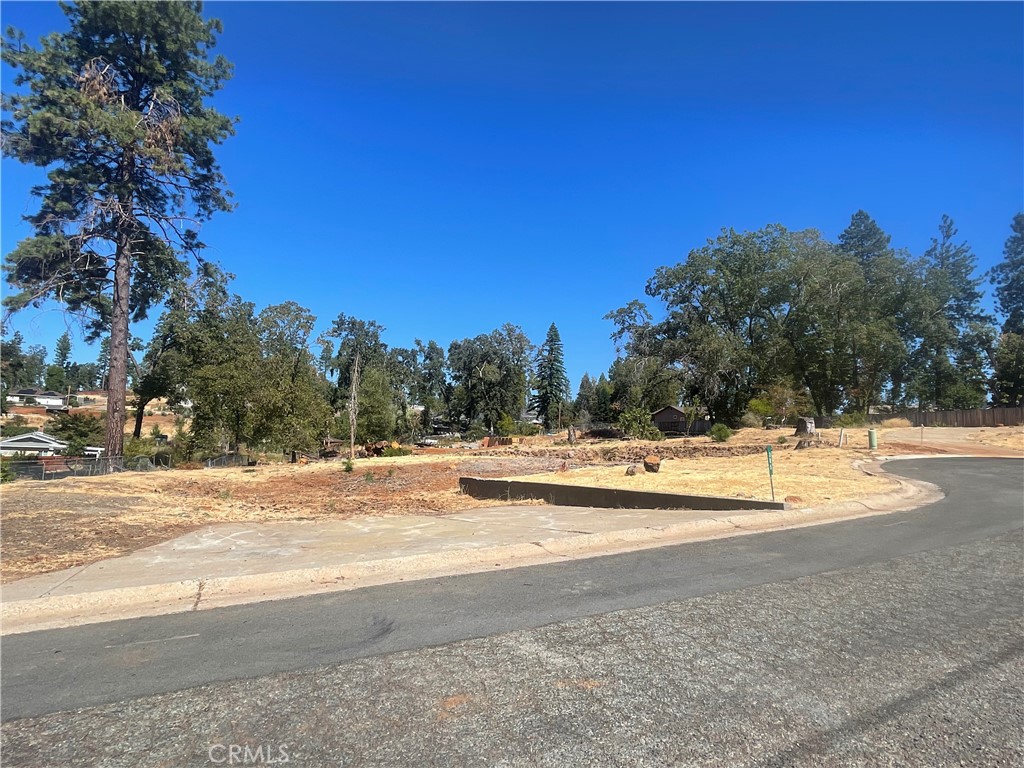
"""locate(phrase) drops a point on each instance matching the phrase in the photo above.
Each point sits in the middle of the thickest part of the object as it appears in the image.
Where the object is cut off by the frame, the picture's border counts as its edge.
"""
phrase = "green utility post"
(771, 470)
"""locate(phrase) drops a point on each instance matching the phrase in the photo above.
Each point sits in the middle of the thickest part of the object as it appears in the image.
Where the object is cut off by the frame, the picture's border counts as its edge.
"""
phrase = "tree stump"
(652, 463)
(804, 426)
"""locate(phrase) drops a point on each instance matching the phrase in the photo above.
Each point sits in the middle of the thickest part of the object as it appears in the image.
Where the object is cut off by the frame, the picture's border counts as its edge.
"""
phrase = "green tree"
(56, 378)
(62, 352)
(585, 398)
(290, 405)
(947, 372)
(1008, 278)
(78, 430)
(12, 363)
(604, 393)
(376, 407)
(166, 363)
(490, 373)
(115, 107)
(552, 384)
(225, 376)
(361, 339)
(1008, 356)
(874, 307)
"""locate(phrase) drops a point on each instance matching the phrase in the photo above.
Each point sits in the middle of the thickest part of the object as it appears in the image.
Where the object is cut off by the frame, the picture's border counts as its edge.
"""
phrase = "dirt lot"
(817, 476)
(45, 526)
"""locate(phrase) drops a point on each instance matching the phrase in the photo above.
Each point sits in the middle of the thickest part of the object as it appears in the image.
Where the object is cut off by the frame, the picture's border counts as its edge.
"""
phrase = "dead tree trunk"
(353, 408)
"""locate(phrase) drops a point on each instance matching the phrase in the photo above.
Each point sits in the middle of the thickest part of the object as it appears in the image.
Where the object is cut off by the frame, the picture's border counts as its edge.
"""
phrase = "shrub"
(347, 466)
(6, 471)
(138, 448)
(782, 440)
(390, 452)
(506, 425)
(720, 433)
(848, 420)
(636, 422)
(751, 420)
(527, 429)
(896, 423)
(474, 433)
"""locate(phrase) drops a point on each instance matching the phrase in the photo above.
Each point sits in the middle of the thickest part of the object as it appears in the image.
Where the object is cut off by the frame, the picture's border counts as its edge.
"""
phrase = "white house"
(48, 399)
(33, 443)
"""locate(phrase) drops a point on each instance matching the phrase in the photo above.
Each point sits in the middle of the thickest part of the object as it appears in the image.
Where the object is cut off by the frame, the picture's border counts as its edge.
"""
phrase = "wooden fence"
(975, 417)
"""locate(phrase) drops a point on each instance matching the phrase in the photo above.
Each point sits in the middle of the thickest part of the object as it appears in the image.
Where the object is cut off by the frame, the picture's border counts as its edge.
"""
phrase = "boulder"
(804, 426)
(652, 463)
(794, 500)
(631, 470)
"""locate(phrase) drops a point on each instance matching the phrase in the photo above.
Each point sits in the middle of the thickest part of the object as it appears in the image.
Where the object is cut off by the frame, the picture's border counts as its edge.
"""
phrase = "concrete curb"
(202, 594)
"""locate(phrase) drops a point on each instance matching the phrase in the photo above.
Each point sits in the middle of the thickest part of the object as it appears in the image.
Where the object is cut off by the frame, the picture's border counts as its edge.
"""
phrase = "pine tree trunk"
(117, 378)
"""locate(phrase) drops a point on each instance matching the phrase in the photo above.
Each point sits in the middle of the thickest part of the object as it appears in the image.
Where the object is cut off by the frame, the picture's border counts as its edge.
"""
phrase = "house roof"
(29, 391)
(669, 408)
(33, 440)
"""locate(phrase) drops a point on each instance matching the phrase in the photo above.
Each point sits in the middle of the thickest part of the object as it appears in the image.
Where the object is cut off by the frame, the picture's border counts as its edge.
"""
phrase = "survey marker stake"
(771, 469)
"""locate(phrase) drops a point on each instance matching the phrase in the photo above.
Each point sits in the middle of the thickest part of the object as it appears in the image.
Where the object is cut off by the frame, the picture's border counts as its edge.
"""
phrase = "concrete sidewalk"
(230, 564)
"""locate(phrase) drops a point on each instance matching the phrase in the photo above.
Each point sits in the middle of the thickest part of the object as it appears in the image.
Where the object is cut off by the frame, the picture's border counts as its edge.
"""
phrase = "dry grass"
(1001, 437)
(57, 524)
(814, 476)
(897, 423)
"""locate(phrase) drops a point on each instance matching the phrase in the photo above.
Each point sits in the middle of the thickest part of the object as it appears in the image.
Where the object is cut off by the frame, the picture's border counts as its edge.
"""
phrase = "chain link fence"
(58, 467)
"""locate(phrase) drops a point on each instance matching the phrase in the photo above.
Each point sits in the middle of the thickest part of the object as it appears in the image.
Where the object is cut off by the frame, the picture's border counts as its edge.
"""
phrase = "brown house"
(672, 419)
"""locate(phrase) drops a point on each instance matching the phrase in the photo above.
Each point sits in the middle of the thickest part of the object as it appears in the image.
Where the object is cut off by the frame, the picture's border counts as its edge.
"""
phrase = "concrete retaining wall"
(614, 498)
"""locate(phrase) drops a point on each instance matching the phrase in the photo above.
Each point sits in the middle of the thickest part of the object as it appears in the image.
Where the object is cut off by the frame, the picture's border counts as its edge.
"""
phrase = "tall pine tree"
(115, 108)
(1008, 359)
(552, 384)
(949, 371)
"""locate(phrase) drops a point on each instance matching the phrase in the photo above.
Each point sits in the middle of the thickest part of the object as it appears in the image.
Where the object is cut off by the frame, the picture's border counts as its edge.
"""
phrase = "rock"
(631, 470)
(794, 500)
(652, 463)
(570, 454)
(804, 426)
(805, 443)
(564, 467)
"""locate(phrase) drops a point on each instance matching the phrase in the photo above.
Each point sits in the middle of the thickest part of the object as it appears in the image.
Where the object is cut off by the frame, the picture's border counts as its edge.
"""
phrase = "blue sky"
(446, 168)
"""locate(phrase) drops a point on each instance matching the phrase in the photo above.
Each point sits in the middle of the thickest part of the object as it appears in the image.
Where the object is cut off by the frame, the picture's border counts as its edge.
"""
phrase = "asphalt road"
(887, 640)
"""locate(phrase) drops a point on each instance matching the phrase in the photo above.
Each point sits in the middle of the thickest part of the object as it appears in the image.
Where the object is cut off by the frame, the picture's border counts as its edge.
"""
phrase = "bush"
(347, 466)
(897, 423)
(848, 420)
(527, 429)
(751, 420)
(782, 440)
(720, 433)
(138, 448)
(391, 452)
(636, 422)
(6, 471)
(474, 433)
(506, 425)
